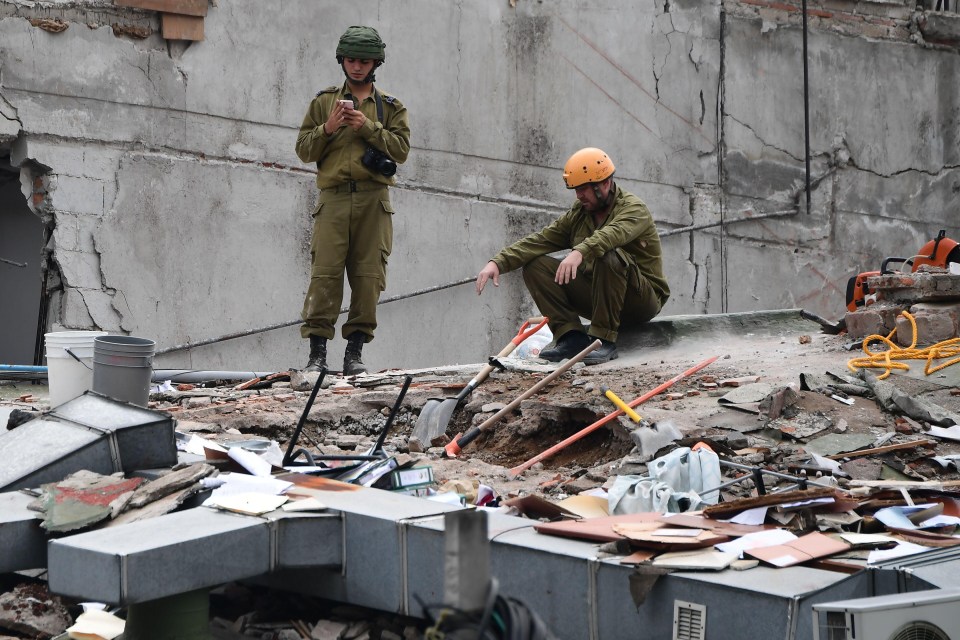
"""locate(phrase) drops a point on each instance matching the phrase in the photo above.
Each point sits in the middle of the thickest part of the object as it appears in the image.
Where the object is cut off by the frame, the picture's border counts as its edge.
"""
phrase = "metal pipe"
(200, 375)
(23, 368)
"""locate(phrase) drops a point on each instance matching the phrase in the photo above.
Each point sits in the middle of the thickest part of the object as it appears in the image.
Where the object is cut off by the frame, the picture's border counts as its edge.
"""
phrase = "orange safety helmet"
(586, 166)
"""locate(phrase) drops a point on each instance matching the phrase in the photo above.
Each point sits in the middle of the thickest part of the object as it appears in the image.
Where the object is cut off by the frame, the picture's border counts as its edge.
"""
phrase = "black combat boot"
(352, 364)
(318, 355)
(568, 345)
(605, 353)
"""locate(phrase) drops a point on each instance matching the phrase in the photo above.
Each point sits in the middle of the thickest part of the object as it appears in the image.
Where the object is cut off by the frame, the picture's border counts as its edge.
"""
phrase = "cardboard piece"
(730, 529)
(537, 508)
(586, 506)
(638, 557)
(653, 535)
(803, 549)
(595, 529)
(701, 559)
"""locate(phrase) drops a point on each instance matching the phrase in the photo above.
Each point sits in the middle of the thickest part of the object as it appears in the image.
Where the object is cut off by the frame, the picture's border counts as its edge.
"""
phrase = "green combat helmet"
(363, 43)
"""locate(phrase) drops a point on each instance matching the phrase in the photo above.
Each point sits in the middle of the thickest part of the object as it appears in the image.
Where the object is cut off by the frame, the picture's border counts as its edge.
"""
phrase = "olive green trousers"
(352, 234)
(612, 295)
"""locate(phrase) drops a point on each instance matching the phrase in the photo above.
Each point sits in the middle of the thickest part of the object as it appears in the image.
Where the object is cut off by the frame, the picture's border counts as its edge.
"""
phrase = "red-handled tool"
(436, 412)
(454, 446)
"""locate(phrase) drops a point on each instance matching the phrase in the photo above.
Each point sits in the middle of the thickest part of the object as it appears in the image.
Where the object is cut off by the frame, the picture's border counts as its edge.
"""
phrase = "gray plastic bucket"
(122, 366)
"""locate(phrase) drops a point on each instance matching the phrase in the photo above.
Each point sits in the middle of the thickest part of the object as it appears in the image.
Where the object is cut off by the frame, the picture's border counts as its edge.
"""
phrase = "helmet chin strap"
(605, 202)
(371, 77)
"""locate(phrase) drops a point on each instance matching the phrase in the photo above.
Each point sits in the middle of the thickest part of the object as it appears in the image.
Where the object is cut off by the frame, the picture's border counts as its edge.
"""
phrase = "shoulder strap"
(376, 96)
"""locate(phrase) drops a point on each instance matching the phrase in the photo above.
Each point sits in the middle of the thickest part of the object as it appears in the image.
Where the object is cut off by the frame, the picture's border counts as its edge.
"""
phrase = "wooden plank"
(178, 27)
(908, 484)
(184, 7)
(913, 444)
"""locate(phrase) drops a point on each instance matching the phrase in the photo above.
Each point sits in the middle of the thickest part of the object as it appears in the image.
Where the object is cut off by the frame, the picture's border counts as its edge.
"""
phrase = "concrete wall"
(181, 213)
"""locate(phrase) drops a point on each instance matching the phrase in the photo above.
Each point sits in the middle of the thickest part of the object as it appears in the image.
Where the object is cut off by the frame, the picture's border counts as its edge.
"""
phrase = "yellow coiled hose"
(890, 359)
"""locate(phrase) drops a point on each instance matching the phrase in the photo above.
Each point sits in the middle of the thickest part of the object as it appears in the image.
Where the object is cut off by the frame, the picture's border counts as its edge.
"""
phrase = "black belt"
(352, 186)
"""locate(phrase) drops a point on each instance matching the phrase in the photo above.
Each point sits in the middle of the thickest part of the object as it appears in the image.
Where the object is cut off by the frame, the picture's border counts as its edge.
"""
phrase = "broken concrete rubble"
(780, 439)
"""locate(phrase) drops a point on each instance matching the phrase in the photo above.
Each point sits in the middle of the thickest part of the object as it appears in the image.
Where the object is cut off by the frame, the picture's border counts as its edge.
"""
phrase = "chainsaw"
(939, 252)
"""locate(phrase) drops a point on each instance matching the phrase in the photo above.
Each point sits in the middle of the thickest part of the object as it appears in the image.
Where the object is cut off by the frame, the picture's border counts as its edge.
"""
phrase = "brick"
(875, 319)
(936, 322)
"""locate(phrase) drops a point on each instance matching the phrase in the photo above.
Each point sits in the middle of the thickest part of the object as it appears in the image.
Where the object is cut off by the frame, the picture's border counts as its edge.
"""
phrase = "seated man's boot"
(606, 352)
(352, 364)
(318, 355)
(568, 345)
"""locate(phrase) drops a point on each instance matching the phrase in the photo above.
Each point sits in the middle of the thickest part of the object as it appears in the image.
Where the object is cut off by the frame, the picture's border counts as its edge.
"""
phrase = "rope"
(890, 359)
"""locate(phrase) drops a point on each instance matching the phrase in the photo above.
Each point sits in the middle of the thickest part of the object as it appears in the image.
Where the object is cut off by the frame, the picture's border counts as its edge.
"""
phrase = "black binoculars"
(378, 161)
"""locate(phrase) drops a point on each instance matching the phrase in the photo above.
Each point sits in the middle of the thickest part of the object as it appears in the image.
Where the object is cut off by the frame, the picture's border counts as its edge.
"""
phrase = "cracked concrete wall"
(181, 213)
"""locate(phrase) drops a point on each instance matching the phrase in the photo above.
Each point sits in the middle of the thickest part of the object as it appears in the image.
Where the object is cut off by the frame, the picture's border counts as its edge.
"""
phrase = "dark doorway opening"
(21, 278)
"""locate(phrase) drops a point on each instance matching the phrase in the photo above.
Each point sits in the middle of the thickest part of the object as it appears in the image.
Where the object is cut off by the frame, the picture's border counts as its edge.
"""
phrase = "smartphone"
(346, 104)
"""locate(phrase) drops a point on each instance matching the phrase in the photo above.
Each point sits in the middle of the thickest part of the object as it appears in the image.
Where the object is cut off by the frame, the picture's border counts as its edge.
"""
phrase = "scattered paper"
(447, 497)
(196, 446)
(164, 387)
(756, 540)
(96, 625)
(251, 462)
(697, 559)
(825, 463)
(754, 517)
(950, 433)
(251, 504)
(240, 483)
(306, 504)
(898, 517)
(860, 539)
(902, 549)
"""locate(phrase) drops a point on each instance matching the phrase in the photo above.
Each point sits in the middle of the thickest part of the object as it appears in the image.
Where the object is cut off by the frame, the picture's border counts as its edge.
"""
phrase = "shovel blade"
(433, 420)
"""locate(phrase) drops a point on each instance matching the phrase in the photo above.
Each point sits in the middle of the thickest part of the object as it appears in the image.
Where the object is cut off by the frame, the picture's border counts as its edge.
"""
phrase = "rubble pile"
(803, 454)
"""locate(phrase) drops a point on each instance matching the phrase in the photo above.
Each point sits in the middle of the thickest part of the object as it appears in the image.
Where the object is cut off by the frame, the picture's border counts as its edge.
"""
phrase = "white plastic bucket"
(66, 377)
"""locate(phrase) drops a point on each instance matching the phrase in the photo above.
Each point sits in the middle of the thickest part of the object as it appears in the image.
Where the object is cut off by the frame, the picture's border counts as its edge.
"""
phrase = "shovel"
(436, 412)
(454, 446)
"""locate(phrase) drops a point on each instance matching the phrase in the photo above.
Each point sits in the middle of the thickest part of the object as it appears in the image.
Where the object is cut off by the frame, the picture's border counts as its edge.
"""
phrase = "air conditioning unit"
(917, 615)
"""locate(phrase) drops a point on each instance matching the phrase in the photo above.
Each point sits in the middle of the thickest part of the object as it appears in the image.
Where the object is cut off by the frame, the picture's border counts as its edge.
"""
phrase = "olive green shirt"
(628, 226)
(338, 155)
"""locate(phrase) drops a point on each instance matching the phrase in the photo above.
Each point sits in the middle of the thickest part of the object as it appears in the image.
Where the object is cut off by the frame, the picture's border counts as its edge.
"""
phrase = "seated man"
(613, 274)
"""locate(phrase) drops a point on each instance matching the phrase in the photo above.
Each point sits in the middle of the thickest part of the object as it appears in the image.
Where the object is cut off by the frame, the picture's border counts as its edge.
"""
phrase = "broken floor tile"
(837, 443)
(82, 499)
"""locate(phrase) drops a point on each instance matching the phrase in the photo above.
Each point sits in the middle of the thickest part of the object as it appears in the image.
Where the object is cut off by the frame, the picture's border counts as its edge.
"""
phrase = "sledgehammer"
(454, 447)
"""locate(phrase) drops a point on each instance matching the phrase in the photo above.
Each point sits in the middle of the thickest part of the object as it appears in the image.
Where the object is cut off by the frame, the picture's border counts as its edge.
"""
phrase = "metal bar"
(15, 264)
(806, 107)
(250, 332)
(288, 457)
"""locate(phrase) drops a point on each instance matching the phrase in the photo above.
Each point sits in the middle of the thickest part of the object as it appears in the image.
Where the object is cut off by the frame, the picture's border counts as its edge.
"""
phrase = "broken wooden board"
(185, 7)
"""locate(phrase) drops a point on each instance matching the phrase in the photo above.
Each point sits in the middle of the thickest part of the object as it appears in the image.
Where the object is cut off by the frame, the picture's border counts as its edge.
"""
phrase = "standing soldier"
(613, 274)
(357, 135)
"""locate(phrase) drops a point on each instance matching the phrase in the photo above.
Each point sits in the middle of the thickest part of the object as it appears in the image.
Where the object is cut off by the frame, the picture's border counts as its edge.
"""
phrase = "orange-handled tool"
(520, 468)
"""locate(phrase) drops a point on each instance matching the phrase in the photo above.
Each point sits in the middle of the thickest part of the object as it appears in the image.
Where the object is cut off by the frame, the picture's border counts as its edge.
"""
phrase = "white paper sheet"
(756, 540)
